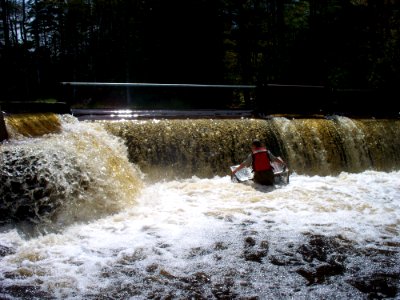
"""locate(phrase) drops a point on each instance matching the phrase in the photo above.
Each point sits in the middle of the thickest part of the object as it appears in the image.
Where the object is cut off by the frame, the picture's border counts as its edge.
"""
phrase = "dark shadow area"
(142, 97)
(310, 100)
(35, 107)
(263, 100)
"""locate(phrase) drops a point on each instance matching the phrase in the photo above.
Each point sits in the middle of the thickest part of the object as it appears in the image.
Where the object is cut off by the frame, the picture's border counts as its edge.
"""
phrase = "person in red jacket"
(260, 159)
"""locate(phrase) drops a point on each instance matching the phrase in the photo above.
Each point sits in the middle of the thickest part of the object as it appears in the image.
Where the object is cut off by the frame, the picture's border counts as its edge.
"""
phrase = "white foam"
(176, 225)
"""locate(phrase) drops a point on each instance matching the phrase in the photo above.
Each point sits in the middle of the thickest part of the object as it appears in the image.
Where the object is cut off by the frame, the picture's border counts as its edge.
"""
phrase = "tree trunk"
(5, 18)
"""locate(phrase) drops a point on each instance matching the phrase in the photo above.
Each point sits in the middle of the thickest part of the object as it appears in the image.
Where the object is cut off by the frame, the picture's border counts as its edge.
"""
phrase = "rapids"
(147, 210)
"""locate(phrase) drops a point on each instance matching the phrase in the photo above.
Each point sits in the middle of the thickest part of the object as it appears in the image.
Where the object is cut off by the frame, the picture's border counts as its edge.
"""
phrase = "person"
(260, 159)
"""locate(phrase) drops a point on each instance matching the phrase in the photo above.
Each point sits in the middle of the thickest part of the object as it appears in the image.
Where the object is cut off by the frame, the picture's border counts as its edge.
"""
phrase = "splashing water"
(59, 179)
(331, 237)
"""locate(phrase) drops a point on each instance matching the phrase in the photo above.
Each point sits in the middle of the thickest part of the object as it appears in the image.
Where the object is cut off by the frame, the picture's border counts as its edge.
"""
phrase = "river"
(147, 210)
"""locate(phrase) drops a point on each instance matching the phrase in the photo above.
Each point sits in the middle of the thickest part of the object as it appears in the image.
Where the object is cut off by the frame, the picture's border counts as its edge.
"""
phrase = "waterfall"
(207, 147)
(56, 169)
(76, 174)
(145, 209)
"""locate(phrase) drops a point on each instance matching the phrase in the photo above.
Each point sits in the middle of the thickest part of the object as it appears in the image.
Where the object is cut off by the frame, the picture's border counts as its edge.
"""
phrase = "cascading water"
(81, 221)
(206, 148)
(61, 178)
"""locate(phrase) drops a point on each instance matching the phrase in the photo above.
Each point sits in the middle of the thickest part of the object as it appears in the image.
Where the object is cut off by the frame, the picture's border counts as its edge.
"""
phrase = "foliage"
(335, 43)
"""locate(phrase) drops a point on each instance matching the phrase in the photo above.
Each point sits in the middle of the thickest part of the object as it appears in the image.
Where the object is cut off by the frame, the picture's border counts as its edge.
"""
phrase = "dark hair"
(256, 143)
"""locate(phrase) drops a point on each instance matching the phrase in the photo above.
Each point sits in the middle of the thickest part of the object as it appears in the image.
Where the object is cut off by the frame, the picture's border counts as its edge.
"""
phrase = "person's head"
(256, 143)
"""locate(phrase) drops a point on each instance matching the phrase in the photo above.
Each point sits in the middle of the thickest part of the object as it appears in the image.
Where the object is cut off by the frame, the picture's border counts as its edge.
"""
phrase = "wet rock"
(151, 268)
(252, 252)
(220, 246)
(284, 260)
(4, 251)
(202, 277)
(198, 251)
(323, 249)
(307, 274)
(264, 245)
(23, 292)
(223, 291)
(329, 269)
(377, 286)
(254, 255)
(321, 272)
(158, 295)
(249, 241)
(376, 252)
(152, 280)
(217, 257)
(197, 279)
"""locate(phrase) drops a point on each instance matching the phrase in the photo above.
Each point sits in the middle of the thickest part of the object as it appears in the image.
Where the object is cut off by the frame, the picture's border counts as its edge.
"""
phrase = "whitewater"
(127, 236)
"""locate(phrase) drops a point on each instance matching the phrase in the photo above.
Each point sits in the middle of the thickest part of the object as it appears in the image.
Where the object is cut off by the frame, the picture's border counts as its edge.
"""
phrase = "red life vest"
(261, 159)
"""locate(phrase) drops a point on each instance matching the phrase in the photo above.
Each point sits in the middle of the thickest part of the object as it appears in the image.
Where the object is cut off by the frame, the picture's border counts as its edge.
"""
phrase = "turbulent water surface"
(99, 228)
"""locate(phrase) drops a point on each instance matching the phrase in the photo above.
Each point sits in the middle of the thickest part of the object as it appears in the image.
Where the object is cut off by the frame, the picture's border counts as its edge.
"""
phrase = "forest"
(338, 44)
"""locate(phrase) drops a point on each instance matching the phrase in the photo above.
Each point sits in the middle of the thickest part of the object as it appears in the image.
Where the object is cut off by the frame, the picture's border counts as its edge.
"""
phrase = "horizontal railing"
(191, 85)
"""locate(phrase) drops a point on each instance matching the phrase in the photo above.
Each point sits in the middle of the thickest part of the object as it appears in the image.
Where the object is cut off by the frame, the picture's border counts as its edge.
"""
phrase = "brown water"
(206, 147)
